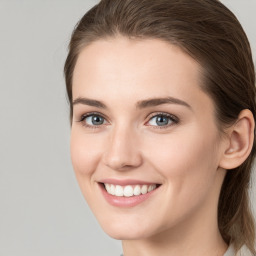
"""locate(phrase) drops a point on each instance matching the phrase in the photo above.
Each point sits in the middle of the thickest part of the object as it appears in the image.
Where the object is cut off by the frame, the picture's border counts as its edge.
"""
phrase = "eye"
(93, 120)
(162, 120)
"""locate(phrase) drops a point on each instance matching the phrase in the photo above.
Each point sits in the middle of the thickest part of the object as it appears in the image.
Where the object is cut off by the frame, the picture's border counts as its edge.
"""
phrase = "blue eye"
(93, 120)
(162, 120)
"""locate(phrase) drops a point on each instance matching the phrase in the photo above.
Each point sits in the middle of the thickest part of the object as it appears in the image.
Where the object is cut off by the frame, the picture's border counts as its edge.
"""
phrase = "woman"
(162, 108)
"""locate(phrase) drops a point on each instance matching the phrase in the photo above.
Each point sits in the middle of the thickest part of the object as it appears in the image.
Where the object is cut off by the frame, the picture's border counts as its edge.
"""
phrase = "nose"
(122, 150)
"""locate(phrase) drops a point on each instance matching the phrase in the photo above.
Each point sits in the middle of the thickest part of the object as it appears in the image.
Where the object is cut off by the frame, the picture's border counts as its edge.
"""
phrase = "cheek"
(188, 162)
(85, 152)
(183, 152)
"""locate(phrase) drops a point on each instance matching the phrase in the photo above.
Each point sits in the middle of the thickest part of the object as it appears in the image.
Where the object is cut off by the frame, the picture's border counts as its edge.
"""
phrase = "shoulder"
(242, 252)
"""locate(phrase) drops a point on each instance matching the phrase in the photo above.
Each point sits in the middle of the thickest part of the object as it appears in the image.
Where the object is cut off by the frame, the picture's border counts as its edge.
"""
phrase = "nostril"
(121, 164)
(121, 153)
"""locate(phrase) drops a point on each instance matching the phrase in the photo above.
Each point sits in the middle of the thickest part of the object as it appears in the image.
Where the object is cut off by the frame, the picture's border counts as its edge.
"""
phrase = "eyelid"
(84, 116)
(92, 113)
(173, 118)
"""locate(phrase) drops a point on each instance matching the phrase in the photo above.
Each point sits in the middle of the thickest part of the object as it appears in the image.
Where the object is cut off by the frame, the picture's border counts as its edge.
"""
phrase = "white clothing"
(231, 252)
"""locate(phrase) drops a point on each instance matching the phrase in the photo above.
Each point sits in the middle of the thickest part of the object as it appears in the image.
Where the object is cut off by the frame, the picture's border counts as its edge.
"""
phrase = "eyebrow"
(89, 102)
(140, 104)
(159, 101)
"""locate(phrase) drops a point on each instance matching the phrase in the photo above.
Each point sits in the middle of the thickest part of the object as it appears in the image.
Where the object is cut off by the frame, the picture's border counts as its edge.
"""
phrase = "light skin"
(128, 85)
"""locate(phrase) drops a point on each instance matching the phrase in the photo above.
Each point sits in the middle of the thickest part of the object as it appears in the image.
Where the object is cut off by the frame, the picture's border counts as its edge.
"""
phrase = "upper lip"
(126, 182)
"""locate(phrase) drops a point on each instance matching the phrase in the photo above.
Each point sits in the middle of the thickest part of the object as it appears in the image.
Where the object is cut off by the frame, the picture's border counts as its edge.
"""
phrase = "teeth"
(107, 186)
(144, 189)
(112, 190)
(136, 190)
(151, 187)
(128, 191)
(119, 191)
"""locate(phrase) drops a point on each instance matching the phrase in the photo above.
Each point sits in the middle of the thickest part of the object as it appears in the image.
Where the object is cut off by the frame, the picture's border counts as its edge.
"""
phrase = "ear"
(239, 141)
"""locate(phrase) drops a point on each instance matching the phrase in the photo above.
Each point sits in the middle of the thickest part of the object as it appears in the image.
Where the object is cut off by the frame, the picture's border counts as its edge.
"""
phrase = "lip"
(126, 202)
(125, 182)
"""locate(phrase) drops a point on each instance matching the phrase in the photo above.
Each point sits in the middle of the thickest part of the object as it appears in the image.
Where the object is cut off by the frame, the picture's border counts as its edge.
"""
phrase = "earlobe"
(240, 141)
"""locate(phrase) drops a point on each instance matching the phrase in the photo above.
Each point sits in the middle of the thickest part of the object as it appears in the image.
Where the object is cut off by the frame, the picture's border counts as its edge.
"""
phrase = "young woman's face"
(144, 129)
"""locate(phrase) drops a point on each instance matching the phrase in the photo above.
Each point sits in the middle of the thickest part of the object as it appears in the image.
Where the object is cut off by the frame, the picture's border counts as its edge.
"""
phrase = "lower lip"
(122, 201)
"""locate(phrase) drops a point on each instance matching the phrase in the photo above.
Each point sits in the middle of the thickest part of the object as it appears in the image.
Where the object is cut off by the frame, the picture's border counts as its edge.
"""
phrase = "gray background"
(42, 211)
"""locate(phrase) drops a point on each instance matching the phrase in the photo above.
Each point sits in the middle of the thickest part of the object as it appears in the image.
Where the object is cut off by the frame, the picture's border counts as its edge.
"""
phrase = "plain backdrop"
(42, 211)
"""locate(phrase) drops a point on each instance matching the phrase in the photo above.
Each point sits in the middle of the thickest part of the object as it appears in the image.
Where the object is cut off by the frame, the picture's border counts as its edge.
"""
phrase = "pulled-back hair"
(212, 35)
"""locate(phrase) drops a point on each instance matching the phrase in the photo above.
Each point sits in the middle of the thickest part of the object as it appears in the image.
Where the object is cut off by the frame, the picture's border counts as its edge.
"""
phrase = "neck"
(174, 243)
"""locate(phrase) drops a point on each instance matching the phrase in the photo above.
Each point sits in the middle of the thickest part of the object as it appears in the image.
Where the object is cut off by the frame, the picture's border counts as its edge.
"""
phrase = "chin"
(126, 235)
(126, 231)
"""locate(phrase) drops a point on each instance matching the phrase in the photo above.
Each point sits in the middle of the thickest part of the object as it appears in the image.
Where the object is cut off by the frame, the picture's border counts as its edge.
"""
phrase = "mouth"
(127, 193)
(129, 190)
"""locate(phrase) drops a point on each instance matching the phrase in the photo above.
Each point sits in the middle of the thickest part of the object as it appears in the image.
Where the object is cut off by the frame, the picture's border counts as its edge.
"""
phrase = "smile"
(127, 193)
(129, 190)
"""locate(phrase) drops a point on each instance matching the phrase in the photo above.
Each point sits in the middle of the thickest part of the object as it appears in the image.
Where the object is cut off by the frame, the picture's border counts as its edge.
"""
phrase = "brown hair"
(211, 34)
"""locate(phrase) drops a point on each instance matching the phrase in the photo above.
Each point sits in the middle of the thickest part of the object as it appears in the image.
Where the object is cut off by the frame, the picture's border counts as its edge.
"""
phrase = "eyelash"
(83, 117)
(174, 120)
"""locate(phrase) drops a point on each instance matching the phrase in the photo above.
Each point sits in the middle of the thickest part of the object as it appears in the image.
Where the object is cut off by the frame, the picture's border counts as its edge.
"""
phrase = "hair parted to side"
(211, 34)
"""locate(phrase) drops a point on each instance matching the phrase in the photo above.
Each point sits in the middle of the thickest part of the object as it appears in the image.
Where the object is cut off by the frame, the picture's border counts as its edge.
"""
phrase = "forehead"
(120, 68)
(120, 56)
